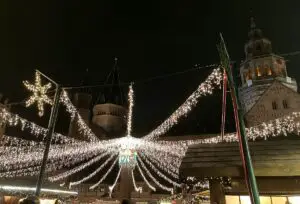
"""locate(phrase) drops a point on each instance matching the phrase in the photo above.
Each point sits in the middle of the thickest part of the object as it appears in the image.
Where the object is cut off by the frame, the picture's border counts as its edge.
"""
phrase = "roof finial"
(252, 22)
(116, 62)
(252, 25)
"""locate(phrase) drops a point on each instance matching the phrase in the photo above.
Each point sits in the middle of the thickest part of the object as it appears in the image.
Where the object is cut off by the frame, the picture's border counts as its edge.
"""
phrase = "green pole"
(244, 147)
(51, 127)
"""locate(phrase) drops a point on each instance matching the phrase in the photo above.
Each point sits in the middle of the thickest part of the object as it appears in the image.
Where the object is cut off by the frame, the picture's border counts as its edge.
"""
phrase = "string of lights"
(160, 174)
(154, 179)
(131, 103)
(170, 169)
(157, 164)
(104, 176)
(78, 168)
(144, 178)
(73, 183)
(111, 188)
(13, 120)
(205, 88)
(83, 127)
(137, 189)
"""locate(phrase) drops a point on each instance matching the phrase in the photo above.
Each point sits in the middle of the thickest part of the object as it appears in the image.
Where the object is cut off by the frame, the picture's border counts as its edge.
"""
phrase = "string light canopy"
(39, 93)
(153, 158)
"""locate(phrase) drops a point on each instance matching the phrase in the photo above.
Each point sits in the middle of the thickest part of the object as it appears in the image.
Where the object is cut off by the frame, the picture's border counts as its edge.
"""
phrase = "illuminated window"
(265, 200)
(245, 200)
(284, 104)
(274, 105)
(279, 200)
(232, 199)
(258, 71)
(294, 199)
(250, 74)
(269, 72)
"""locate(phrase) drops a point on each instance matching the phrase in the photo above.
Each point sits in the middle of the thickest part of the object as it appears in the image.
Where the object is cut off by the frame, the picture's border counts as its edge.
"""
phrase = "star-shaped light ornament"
(39, 93)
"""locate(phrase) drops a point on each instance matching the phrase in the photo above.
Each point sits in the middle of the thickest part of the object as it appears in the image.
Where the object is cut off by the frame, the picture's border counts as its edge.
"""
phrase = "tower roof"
(257, 44)
(112, 92)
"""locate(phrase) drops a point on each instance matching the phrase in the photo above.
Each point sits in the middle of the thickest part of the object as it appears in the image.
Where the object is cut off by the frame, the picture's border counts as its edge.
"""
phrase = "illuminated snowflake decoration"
(39, 94)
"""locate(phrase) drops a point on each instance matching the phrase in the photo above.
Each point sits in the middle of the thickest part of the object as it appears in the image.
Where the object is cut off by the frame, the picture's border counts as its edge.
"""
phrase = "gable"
(263, 109)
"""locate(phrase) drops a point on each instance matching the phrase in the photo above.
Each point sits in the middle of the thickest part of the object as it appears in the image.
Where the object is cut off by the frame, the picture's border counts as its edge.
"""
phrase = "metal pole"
(245, 152)
(51, 127)
(224, 99)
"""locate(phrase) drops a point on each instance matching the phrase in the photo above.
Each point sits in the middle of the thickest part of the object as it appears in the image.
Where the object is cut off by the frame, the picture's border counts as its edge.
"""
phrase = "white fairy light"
(144, 178)
(104, 176)
(158, 172)
(78, 168)
(162, 165)
(111, 188)
(39, 93)
(137, 189)
(83, 127)
(131, 103)
(154, 179)
(11, 119)
(205, 88)
(20, 157)
(92, 174)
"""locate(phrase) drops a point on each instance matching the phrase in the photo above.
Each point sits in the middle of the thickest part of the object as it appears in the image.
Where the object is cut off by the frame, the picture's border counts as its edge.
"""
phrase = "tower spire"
(252, 23)
(112, 93)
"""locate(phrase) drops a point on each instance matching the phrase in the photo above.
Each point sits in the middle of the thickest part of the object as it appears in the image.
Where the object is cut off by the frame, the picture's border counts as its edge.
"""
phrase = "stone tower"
(265, 82)
(110, 113)
(5, 106)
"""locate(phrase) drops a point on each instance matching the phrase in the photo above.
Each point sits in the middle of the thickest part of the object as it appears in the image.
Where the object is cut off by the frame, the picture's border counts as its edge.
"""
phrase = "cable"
(197, 67)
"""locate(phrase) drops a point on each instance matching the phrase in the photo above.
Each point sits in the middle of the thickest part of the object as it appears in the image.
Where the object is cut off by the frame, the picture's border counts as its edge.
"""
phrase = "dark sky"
(65, 38)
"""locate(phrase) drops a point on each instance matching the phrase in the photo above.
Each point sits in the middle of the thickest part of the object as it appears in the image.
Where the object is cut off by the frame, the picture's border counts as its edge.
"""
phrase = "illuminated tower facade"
(266, 92)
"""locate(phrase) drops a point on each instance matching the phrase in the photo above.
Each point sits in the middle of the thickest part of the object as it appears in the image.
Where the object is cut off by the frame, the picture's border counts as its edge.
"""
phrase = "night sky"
(64, 39)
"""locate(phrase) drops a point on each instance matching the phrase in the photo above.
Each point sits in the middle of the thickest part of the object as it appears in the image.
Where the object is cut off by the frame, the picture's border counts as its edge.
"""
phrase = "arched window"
(250, 74)
(258, 72)
(268, 70)
(284, 104)
(274, 105)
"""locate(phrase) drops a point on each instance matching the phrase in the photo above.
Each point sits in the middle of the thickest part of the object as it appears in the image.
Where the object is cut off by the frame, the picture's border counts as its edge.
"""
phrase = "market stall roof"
(270, 158)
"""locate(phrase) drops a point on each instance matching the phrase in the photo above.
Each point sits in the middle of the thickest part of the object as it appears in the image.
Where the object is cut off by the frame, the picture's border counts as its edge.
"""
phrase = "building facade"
(266, 93)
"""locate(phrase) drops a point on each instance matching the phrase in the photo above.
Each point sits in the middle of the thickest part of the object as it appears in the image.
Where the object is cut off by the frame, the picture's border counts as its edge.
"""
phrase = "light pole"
(51, 127)
(240, 125)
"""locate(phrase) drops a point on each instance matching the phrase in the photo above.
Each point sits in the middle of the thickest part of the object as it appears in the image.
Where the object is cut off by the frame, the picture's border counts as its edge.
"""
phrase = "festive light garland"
(137, 189)
(159, 173)
(11, 119)
(170, 170)
(205, 88)
(111, 188)
(104, 176)
(144, 178)
(78, 168)
(131, 103)
(92, 174)
(39, 93)
(83, 127)
(154, 179)
(165, 155)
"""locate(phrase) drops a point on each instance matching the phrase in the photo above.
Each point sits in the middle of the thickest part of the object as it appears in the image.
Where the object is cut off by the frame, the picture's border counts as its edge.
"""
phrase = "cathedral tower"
(265, 82)
(109, 112)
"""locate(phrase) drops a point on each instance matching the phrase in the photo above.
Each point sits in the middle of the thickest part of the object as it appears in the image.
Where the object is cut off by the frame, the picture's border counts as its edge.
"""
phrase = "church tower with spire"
(266, 90)
(109, 113)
